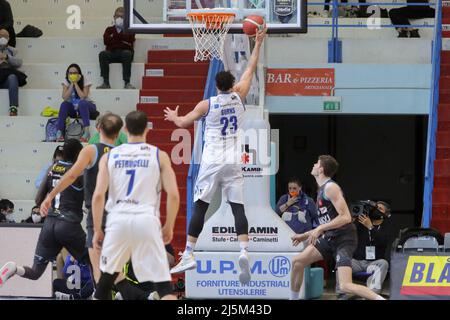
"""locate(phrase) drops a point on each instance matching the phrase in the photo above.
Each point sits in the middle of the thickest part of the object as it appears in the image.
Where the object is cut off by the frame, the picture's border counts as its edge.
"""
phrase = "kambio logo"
(278, 266)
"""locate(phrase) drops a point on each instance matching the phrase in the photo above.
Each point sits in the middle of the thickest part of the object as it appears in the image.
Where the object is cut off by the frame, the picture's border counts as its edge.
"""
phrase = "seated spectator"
(119, 48)
(371, 254)
(6, 211)
(7, 21)
(10, 77)
(66, 288)
(401, 16)
(121, 139)
(35, 216)
(57, 155)
(76, 89)
(297, 209)
(327, 13)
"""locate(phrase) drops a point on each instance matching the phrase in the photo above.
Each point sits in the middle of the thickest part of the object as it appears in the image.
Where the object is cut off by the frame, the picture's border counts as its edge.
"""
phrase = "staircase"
(441, 192)
(171, 79)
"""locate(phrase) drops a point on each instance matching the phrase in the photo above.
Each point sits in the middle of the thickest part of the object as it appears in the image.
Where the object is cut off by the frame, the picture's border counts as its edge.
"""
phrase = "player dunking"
(133, 174)
(223, 118)
(335, 237)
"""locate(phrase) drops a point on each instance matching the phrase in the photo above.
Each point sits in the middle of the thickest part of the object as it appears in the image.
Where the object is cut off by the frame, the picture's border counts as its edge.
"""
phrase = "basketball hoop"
(209, 30)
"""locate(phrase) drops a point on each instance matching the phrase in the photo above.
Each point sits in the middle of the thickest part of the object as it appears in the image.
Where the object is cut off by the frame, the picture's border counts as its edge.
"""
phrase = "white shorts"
(139, 237)
(227, 176)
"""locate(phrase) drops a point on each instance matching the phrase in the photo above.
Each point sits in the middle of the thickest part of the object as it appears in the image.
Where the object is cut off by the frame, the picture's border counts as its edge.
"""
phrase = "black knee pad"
(198, 218)
(240, 220)
(103, 291)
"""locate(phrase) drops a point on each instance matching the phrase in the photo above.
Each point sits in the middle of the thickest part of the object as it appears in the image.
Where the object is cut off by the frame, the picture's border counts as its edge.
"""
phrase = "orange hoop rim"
(210, 14)
(211, 20)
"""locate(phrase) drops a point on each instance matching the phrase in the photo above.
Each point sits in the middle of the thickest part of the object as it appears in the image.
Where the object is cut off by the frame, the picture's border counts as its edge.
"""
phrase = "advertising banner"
(300, 82)
(420, 276)
(217, 276)
(19, 244)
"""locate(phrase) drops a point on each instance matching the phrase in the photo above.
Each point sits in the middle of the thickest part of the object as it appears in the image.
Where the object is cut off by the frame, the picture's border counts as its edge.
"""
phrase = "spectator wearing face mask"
(10, 77)
(6, 211)
(297, 209)
(7, 21)
(35, 216)
(77, 103)
(119, 49)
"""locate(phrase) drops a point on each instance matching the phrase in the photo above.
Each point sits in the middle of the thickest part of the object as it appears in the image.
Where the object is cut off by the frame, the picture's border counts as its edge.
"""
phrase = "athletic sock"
(244, 246)
(379, 297)
(20, 271)
(189, 247)
(295, 295)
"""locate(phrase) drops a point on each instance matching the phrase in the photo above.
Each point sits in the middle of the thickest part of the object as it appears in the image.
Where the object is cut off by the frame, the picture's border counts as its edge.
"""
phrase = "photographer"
(373, 239)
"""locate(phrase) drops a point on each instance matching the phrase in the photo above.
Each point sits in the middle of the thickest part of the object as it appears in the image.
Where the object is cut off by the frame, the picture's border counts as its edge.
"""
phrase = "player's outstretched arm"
(243, 86)
(98, 200)
(84, 159)
(188, 120)
(169, 184)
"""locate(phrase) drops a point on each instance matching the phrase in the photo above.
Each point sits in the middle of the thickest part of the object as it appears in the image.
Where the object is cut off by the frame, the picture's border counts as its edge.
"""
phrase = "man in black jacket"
(7, 21)
(374, 234)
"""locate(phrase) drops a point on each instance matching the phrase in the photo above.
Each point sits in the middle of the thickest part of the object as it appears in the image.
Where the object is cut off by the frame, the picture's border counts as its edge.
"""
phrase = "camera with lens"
(365, 207)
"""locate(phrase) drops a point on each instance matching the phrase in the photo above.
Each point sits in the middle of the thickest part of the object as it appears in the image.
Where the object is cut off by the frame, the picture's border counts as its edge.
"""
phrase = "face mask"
(119, 22)
(293, 194)
(3, 41)
(9, 218)
(73, 77)
(36, 218)
(376, 215)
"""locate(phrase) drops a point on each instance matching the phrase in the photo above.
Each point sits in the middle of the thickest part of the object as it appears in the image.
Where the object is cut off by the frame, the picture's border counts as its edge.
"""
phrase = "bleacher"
(22, 151)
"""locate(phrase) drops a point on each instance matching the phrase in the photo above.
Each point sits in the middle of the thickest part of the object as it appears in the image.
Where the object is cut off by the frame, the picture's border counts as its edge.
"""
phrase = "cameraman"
(373, 239)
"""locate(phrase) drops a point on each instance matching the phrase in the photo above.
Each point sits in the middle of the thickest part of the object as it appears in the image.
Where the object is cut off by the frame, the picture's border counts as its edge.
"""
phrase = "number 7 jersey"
(134, 179)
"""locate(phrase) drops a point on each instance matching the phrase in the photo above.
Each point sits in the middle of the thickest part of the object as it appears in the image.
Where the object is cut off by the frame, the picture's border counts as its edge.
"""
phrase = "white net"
(209, 31)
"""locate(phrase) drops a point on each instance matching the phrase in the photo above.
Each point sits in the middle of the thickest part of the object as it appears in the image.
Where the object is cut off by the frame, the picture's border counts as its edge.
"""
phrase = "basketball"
(252, 24)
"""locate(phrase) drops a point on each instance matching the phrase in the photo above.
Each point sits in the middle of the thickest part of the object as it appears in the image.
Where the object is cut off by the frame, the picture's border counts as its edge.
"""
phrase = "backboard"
(169, 16)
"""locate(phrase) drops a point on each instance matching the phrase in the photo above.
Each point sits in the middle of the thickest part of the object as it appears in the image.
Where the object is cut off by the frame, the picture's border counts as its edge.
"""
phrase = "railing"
(432, 119)
(334, 44)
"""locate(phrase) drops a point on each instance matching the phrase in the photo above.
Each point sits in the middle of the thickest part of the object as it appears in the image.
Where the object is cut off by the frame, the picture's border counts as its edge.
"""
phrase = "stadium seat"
(447, 242)
(421, 244)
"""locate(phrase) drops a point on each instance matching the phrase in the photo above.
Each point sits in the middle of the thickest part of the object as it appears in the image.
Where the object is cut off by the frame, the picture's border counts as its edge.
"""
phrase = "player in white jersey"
(134, 174)
(219, 166)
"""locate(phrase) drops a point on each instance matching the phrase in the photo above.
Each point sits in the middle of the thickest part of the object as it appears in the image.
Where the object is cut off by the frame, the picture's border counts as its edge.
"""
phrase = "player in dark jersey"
(62, 227)
(109, 126)
(334, 238)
